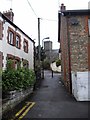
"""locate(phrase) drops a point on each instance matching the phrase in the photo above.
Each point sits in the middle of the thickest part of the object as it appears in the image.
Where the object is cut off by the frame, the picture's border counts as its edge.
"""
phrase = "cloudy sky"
(25, 16)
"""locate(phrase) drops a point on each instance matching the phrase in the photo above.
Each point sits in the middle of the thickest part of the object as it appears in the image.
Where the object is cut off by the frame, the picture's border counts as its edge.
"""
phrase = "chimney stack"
(62, 7)
(9, 14)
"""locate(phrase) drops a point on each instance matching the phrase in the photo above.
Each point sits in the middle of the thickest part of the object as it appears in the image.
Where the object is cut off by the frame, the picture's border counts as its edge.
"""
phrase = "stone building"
(74, 38)
(15, 44)
(51, 54)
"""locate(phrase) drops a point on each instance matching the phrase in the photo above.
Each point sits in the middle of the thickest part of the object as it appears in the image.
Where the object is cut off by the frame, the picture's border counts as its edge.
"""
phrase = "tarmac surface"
(51, 100)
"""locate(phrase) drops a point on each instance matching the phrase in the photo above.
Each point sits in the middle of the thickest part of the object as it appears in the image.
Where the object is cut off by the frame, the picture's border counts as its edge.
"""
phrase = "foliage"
(0, 72)
(17, 79)
(21, 78)
(38, 70)
(10, 64)
(58, 62)
(46, 64)
(37, 65)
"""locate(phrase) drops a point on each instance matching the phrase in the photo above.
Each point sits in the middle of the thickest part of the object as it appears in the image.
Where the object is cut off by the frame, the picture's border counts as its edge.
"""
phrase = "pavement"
(49, 100)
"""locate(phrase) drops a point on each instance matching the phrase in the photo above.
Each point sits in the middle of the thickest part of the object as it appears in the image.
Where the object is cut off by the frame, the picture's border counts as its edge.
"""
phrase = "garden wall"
(15, 98)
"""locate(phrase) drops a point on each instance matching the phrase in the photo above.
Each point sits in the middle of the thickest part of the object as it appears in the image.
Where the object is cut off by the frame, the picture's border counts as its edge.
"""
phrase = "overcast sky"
(47, 10)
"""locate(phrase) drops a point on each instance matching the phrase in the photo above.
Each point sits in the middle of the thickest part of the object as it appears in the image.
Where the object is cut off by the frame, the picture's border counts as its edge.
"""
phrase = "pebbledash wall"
(75, 51)
(11, 51)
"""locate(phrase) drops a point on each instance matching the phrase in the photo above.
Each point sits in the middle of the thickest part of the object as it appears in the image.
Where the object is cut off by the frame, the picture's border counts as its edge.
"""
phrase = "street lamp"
(44, 39)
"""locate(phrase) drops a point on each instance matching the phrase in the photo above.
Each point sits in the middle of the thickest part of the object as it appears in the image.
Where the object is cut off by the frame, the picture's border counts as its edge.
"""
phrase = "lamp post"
(44, 39)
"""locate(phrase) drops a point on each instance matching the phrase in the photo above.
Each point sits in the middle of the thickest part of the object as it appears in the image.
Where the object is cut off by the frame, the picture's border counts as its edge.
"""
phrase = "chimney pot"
(62, 7)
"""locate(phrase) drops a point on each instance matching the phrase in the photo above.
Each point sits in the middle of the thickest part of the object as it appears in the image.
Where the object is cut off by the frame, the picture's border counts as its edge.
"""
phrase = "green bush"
(18, 79)
(10, 65)
(46, 64)
(58, 62)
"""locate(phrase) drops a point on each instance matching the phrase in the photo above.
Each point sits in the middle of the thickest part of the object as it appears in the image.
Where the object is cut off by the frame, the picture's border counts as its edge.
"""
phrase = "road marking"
(22, 109)
(26, 111)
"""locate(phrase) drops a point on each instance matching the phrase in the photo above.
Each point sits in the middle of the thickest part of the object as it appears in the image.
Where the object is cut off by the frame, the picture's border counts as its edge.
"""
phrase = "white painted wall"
(81, 85)
(1, 40)
(55, 68)
(9, 49)
(89, 5)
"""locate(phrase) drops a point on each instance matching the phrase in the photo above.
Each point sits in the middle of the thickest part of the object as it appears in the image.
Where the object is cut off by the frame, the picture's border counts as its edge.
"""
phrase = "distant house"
(74, 38)
(14, 43)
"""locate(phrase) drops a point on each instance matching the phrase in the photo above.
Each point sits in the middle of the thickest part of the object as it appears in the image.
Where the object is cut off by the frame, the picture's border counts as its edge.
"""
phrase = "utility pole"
(39, 51)
(39, 56)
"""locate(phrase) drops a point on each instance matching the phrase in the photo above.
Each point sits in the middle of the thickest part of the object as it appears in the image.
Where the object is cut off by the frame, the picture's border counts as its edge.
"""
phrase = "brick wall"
(75, 47)
(78, 36)
(65, 58)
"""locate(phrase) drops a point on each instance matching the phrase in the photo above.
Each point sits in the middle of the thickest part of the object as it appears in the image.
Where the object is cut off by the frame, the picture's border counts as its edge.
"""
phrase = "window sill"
(11, 44)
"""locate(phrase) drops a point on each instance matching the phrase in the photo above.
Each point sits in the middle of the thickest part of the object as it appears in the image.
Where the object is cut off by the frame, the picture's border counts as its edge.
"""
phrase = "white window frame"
(25, 46)
(11, 37)
(17, 41)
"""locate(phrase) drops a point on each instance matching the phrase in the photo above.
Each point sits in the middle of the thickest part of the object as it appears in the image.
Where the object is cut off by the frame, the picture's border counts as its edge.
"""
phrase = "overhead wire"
(36, 14)
(48, 19)
(32, 8)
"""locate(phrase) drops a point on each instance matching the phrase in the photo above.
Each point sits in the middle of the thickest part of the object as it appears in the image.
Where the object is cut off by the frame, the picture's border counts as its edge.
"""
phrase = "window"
(17, 64)
(17, 41)
(25, 46)
(89, 26)
(25, 63)
(14, 38)
(14, 61)
(11, 38)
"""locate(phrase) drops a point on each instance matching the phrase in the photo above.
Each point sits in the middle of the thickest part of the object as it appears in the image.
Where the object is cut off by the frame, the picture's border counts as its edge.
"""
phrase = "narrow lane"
(51, 100)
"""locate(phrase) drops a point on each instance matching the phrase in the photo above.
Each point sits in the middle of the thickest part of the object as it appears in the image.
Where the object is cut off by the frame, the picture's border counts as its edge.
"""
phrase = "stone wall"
(78, 36)
(15, 98)
(79, 52)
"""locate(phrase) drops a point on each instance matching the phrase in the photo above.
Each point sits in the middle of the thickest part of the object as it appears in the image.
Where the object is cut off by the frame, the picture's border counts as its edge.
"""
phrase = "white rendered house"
(14, 43)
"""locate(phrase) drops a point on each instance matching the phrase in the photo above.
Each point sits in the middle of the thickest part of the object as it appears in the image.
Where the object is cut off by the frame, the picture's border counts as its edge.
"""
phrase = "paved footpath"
(51, 100)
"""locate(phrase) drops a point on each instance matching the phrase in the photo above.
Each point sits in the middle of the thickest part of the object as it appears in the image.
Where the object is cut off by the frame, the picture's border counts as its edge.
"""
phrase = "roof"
(76, 12)
(15, 26)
